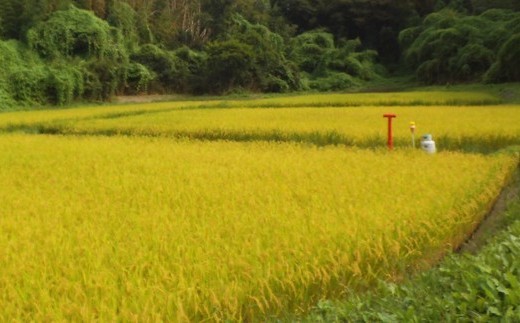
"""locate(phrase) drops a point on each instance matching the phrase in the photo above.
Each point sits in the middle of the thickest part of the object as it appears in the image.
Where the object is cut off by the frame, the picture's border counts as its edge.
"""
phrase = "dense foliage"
(61, 51)
(450, 47)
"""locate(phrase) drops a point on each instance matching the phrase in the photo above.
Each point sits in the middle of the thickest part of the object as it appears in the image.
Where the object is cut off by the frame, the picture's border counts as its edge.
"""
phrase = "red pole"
(390, 133)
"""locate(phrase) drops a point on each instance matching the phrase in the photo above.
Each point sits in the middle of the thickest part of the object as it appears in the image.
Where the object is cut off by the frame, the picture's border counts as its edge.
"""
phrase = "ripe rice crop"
(12, 121)
(470, 128)
(27, 120)
(148, 229)
(409, 98)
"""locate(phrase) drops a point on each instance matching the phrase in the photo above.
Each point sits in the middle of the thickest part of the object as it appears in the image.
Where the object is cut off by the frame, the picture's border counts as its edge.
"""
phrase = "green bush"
(28, 80)
(309, 49)
(329, 67)
(230, 64)
(138, 77)
(194, 67)
(275, 84)
(123, 17)
(6, 100)
(88, 57)
(73, 32)
(102, 79)
(271, 70)
(334, 81)
(162, 62)
(472, 61)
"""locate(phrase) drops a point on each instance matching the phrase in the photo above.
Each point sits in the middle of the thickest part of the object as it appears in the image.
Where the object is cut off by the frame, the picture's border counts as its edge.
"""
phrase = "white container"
(427, 144)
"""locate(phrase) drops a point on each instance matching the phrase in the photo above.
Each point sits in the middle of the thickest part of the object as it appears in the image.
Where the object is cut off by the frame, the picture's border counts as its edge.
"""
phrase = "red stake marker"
(390, 143)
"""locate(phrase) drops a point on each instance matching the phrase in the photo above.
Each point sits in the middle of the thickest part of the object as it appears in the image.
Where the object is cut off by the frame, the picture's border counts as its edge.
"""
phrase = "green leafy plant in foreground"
(465, 288)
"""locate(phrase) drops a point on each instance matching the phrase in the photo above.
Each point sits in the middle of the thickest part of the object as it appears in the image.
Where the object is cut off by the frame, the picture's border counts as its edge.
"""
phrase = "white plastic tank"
(427, 144)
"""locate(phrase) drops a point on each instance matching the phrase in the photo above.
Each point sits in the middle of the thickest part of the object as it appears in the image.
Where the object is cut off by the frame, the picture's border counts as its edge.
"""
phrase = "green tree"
(76, 37)
(230, 65)
(450, 46)
(123, 17)
(329, 66)
(75, 32)
(272, 71)
(170, 71)
(506, 68)
(376, 22)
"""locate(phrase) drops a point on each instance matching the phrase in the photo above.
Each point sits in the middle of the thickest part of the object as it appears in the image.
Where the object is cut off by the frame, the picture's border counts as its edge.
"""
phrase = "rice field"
(454, 127)
(412, 98)
(157, 226)
(10, 121)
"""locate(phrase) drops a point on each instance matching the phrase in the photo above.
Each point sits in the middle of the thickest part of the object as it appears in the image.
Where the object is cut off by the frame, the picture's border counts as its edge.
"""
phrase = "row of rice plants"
(469, 128)
(27, 120)
(409, 98)
(97, 228)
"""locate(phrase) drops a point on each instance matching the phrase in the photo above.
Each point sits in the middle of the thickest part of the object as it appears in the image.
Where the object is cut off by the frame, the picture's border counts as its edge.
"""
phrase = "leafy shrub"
(162, 62)
(6, 100)
(309, 49)
(334, 81)
(330, 67)
(230, 64)
(27, 80)
(275, 84)
(271, 70)
(472, 61)
(123, 17)
(73, 32)
(92, 56)
(64, 84)
(103, 79)
(27, 85)
(194, 67)
(138, 77)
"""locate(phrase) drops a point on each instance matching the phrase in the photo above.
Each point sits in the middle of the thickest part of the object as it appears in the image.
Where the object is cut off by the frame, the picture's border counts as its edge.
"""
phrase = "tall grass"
(142, 229)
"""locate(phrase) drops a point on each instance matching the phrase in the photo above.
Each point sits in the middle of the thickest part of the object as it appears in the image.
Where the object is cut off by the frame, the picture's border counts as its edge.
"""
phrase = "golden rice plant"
(408, 98)
(31, 120)
(471, 128)
(150, 229)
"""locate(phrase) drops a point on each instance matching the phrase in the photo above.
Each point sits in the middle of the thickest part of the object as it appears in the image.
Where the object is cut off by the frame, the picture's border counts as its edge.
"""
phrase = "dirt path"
(495, 220)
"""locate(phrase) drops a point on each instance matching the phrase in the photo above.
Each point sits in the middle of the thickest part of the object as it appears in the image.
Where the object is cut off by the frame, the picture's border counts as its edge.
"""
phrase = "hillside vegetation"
(63, 51)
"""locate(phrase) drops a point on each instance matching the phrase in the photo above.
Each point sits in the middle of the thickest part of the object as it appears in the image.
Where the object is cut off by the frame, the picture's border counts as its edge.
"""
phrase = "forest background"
(63, 51)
